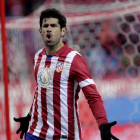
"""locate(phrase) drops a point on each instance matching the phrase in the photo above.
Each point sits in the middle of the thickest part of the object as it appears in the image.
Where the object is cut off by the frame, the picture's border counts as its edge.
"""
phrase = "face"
(51, 32)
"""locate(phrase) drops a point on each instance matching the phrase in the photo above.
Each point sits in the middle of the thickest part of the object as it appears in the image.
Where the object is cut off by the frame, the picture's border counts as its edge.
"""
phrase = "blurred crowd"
(25, 7)
(21, 7)
(111, 47)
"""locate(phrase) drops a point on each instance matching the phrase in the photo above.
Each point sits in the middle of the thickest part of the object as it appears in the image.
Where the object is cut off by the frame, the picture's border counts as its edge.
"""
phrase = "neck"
(54, 49)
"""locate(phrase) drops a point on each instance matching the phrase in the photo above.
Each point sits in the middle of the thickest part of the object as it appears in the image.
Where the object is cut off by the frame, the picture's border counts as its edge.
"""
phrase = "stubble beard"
(52, 44)
(49, 44)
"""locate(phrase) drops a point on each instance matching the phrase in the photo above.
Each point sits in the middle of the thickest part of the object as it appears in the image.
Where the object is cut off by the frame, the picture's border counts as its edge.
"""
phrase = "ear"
(40, 31)
(63, 32)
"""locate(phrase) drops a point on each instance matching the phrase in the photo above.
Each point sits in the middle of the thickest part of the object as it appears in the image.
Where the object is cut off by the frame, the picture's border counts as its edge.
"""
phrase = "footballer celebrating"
(60, 72)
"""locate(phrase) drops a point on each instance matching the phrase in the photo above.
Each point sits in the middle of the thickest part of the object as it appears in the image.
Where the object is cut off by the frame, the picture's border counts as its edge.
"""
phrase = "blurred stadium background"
(108, 34)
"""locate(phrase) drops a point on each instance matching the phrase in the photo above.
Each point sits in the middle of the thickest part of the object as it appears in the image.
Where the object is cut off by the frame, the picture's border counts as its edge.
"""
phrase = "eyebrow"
(53, 24)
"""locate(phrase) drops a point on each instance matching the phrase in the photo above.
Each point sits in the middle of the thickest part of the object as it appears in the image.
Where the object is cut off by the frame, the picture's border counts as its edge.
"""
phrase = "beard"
(51, 43)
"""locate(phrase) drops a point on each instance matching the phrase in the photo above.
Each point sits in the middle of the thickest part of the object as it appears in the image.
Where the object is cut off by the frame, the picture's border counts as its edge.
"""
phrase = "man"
(60, 72)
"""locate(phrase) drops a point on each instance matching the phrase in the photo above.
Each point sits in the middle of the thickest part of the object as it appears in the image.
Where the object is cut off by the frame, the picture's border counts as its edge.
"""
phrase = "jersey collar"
(62, 50)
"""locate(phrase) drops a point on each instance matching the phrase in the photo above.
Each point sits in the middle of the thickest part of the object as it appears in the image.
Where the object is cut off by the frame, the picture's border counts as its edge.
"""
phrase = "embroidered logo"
(44, 77)
(59, 66)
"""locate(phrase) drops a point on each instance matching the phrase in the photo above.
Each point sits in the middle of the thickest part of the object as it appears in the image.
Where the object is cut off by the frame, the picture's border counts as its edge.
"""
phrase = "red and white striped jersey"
(55, 105)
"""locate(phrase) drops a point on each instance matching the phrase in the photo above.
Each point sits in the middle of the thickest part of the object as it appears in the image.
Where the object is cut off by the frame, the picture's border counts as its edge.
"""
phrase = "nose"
(49, 29)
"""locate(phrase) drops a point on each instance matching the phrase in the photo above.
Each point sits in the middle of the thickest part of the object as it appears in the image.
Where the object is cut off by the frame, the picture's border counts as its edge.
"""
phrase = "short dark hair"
(53, 13)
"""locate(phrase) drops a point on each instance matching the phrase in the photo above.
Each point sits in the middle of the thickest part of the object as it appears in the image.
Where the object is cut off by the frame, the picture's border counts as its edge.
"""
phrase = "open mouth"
(48, 37)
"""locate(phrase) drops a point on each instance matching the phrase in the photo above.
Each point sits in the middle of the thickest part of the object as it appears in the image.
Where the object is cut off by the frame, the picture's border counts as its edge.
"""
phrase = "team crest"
(44, 77)
(59, 66)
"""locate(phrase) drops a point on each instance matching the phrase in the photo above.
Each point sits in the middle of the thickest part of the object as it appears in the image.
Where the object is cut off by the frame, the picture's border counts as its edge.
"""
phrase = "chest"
(46, 72)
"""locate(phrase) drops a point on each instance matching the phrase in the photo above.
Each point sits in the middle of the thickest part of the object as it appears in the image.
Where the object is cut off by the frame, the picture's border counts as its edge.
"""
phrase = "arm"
(96, 104)
(82, 75)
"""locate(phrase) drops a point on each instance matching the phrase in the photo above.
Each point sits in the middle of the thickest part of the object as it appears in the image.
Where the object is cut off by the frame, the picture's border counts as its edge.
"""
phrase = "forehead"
(50, 21)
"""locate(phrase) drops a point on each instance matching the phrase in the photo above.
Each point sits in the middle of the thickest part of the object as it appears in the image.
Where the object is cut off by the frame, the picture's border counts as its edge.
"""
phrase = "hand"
(24, 124)
(106, 131)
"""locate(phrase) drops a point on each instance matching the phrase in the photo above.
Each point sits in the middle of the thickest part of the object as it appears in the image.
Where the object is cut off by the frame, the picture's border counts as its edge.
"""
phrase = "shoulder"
(78, 61)
(73, 52)
(73, 55)
(78, 57)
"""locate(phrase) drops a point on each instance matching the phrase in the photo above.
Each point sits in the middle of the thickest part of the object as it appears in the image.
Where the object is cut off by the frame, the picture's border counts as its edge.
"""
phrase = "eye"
(45, 25)
(53, 25)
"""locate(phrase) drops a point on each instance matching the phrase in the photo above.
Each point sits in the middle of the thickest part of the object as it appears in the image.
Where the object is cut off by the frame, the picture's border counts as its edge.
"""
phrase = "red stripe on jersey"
(76, 98)
(70, 101)
(44, 106)
(32, 104)
(44, 114)
(56, 101)
(34, 123)
(56, 104)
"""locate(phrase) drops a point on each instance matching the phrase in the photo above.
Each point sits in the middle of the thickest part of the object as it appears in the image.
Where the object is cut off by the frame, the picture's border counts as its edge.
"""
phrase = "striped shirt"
(55, 105)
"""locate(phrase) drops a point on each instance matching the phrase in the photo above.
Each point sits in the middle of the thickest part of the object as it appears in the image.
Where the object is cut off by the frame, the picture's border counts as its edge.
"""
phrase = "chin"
(49, 45)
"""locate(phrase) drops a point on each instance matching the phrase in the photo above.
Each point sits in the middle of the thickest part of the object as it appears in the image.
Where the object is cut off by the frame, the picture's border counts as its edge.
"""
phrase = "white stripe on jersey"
(76, 131)
(36, 57)
(63, 93)
(37, 130)
(49, 96)
(86, 82)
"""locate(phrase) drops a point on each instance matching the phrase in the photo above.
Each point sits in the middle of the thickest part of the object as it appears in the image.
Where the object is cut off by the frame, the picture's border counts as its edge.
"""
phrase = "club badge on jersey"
(44, 77)
(59, 66)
